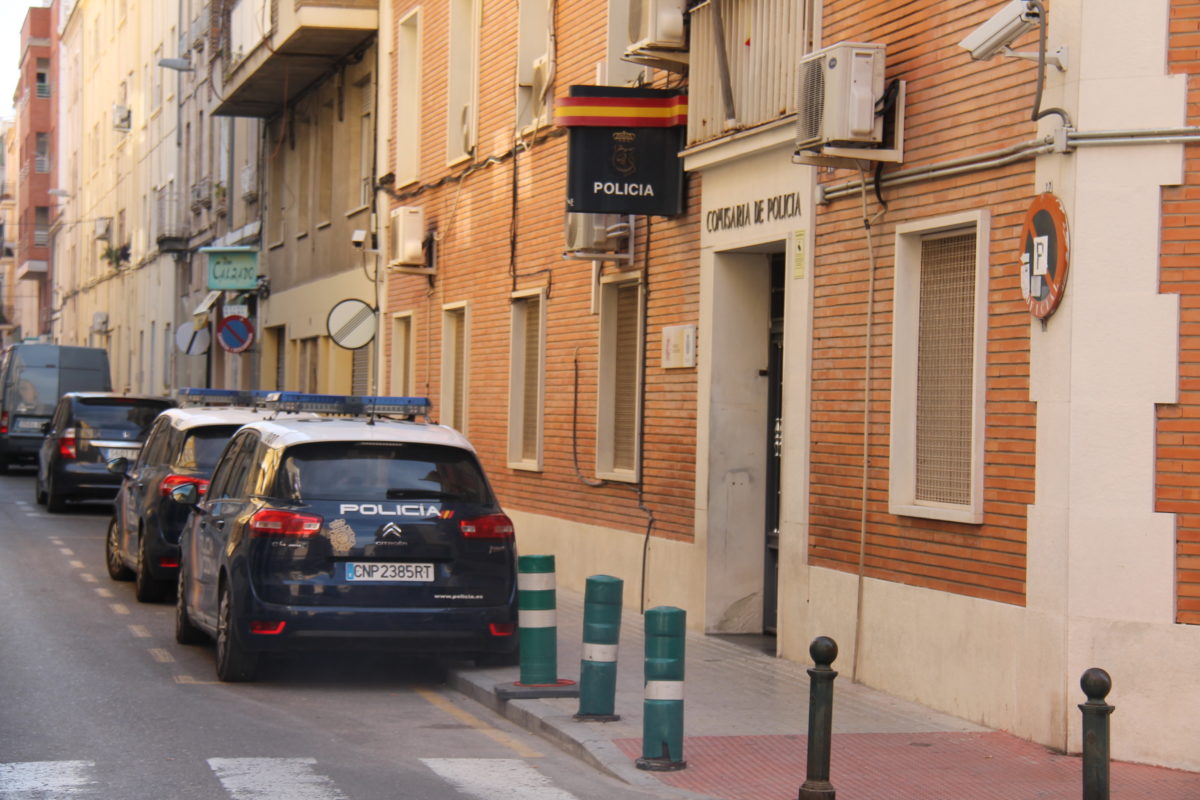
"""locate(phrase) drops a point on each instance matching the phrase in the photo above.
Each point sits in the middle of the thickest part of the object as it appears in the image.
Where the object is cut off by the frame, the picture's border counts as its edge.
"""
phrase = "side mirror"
(118, 466)
(45, 428)
(187, 494)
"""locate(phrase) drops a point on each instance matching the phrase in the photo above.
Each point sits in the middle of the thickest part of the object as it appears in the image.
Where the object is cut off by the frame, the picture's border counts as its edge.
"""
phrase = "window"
(41, 226)
(940, 344)
(325, 167)
(619, 410)
(310, 363)
(278, 341)
(304, 177)
(525, 386)
(533, 62)
(42, 150)
(366, 142)
(156, 79)
(277, 204)
(43, 77)
(402, 342)
(454, 367)
(462, 71)
(408, 99)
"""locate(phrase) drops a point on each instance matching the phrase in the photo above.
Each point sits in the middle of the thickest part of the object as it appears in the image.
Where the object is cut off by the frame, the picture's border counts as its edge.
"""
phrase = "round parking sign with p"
(351, 324)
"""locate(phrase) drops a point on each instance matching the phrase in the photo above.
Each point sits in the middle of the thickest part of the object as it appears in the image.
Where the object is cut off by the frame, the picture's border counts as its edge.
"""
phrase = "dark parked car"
(183, 446)
(88, 430)
(346, 532)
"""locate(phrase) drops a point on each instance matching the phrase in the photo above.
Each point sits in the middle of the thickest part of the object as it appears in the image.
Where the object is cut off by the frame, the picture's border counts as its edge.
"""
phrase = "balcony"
(170, 230)
(763, 43)
(275, 49)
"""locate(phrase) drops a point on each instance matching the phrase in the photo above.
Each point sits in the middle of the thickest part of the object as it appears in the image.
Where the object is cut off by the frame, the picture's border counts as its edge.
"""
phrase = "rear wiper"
(400, 494)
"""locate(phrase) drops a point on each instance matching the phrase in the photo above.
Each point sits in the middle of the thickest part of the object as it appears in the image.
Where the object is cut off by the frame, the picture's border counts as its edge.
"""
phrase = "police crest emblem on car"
(341, 535)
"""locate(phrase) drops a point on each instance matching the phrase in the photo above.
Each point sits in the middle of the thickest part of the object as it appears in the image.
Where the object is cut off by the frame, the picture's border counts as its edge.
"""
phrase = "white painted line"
(51, 780)
(139, 631)
(66, 551)
(161, 656)
(119, 608)
(87, 577)
(57, 542)
(267, 778)
(496, 779)
(188, 680)
(77, 564)
(21, 502)
(34, 514)
(102, 592)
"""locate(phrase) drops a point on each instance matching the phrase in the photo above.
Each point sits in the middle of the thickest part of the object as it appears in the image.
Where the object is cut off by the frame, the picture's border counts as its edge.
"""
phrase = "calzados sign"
(624, 149)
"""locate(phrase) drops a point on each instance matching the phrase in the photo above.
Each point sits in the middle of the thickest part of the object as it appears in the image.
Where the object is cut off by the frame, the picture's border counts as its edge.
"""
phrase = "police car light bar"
(197, 396)
(350, 405)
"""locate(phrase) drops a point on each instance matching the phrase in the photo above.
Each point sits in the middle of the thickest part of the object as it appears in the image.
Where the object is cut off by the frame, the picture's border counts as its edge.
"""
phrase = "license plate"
(121, 452)
(30, 424)
(392, 573)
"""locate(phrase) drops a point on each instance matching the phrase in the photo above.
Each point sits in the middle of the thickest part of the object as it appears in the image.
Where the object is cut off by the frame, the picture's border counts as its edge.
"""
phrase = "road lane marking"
(188, 680)
(262, 778)
(495, 734)
(102, 592)
(496, 779)
(139, 631)
(66, 551)
(52, 780)
(119, 608)
(77, 564)
(87, 577)
(161, 656)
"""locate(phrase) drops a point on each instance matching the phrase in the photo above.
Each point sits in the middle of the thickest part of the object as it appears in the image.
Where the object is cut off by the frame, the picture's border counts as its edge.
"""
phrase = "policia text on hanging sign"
(624, 149)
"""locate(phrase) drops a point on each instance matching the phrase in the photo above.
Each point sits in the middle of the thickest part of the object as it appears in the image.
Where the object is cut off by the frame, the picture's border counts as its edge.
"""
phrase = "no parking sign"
(235, 334)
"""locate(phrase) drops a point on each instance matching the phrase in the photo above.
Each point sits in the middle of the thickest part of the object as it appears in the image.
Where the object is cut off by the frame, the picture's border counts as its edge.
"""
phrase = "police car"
(364, 527)
(182, 447)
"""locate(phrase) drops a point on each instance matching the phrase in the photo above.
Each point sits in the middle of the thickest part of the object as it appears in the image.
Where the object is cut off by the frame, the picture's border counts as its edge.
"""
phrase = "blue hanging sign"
(232, 267)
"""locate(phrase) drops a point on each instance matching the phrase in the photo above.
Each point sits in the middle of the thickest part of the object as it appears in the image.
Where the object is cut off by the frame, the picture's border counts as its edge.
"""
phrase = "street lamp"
(177, 64)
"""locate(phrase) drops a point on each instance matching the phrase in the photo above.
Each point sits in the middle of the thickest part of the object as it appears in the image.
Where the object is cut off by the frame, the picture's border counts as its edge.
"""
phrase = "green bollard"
(601, 634)
(662, 717)
(538, 629)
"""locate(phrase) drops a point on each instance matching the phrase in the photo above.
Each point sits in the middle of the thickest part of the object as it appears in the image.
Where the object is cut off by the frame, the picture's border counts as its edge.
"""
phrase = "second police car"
(360, 530)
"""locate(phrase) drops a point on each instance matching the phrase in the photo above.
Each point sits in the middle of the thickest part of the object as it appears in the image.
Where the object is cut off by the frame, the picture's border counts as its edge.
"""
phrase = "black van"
(32, 378)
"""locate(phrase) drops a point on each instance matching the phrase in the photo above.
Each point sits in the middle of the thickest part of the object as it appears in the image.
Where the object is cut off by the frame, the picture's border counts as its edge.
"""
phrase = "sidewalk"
(745, 721)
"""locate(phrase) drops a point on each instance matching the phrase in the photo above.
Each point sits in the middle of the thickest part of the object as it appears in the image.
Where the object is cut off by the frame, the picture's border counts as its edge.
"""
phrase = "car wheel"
(234, 662)
(55, 502)
(112, 555)
(146, 588)
(185, 631)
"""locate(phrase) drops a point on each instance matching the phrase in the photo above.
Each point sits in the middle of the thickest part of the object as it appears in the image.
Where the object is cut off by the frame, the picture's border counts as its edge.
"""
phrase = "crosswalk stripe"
(496, 779)
(44, 780)
(273, 779)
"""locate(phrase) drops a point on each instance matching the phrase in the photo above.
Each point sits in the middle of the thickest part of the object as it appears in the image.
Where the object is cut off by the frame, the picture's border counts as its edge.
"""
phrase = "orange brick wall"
(473, 218)
(1178, 484)
(956, 107)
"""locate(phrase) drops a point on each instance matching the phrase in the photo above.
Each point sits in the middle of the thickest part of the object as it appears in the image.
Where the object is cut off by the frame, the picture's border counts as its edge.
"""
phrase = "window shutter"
(625, 390)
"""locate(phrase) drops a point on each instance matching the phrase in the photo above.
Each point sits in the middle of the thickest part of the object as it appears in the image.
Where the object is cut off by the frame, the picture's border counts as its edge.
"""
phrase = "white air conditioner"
(657, 25)
(100, 322)
(122, 118)
(406, 236)
(104, 229)
(598, 237)
(839, 87)
(539, 87)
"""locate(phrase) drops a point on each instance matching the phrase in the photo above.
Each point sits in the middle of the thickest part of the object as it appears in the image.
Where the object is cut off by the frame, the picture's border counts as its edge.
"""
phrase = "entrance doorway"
(774, 447)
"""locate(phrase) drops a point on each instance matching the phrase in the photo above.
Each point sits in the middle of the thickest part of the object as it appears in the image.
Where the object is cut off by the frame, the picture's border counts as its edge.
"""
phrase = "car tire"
(185, 631)
(235, 664)
(55, 502)
(146, 588)
(112, 555)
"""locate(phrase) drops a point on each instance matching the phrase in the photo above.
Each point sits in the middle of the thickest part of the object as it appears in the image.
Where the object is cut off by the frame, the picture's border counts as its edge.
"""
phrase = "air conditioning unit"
(657, 34)
(100, 322)
(539, 87)
(122, 118)
(657, 25)
(104, 229)
(406, 237)
(839, 87)
(598, 237)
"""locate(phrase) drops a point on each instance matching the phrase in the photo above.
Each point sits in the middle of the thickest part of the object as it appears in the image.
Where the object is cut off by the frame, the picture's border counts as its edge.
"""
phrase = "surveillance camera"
(358, 238)
(1004, 28)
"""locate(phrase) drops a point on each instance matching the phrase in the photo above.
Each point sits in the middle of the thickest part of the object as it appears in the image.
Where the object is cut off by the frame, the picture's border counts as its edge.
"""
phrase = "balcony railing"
(41, 164)
(41, 237)
(43, 90)
(170, 229)
(763, 42)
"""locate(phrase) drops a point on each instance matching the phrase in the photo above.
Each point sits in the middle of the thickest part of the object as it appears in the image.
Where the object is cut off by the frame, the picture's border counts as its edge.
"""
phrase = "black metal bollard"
(1096, 684)
(820, 720)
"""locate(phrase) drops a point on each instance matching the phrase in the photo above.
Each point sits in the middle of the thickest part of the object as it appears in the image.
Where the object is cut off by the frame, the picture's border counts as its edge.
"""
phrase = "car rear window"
(101, 418)
(372, 471)
(202, 447)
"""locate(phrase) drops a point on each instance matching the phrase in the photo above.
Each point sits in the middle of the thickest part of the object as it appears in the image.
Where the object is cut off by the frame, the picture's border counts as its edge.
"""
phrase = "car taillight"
(273, 522)
(66, 443)
(267, 627)
(501, 628)
(493, 526)
(173, 482)
(3, 422)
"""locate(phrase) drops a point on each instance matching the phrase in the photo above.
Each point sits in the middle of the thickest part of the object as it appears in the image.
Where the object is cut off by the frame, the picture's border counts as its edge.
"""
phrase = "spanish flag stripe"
(621, 102)
(656, 112)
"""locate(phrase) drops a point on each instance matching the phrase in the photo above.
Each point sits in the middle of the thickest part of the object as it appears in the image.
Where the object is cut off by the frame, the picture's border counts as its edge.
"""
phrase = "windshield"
(392, 471)
(202, 447)
(33, 390)
(116, 418)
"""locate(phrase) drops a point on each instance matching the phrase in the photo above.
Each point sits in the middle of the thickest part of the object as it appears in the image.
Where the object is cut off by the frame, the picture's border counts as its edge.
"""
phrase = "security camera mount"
(995, 36)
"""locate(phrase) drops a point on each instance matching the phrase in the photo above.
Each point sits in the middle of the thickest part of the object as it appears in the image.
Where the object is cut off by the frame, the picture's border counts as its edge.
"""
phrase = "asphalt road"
(97, 700)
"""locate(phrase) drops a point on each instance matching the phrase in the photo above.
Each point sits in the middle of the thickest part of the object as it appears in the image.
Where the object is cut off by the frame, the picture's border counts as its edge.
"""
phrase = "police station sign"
(624, 149)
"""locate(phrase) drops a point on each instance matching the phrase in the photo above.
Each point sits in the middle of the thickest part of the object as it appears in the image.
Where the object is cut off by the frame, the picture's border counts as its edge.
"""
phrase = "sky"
(12, 15)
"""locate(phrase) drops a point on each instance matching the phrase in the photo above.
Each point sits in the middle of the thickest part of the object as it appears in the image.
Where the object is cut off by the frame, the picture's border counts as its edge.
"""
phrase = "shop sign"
(623, 150)
(232, 267)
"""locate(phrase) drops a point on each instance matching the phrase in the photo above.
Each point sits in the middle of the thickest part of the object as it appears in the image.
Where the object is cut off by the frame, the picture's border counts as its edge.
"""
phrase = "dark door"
(774, 445)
